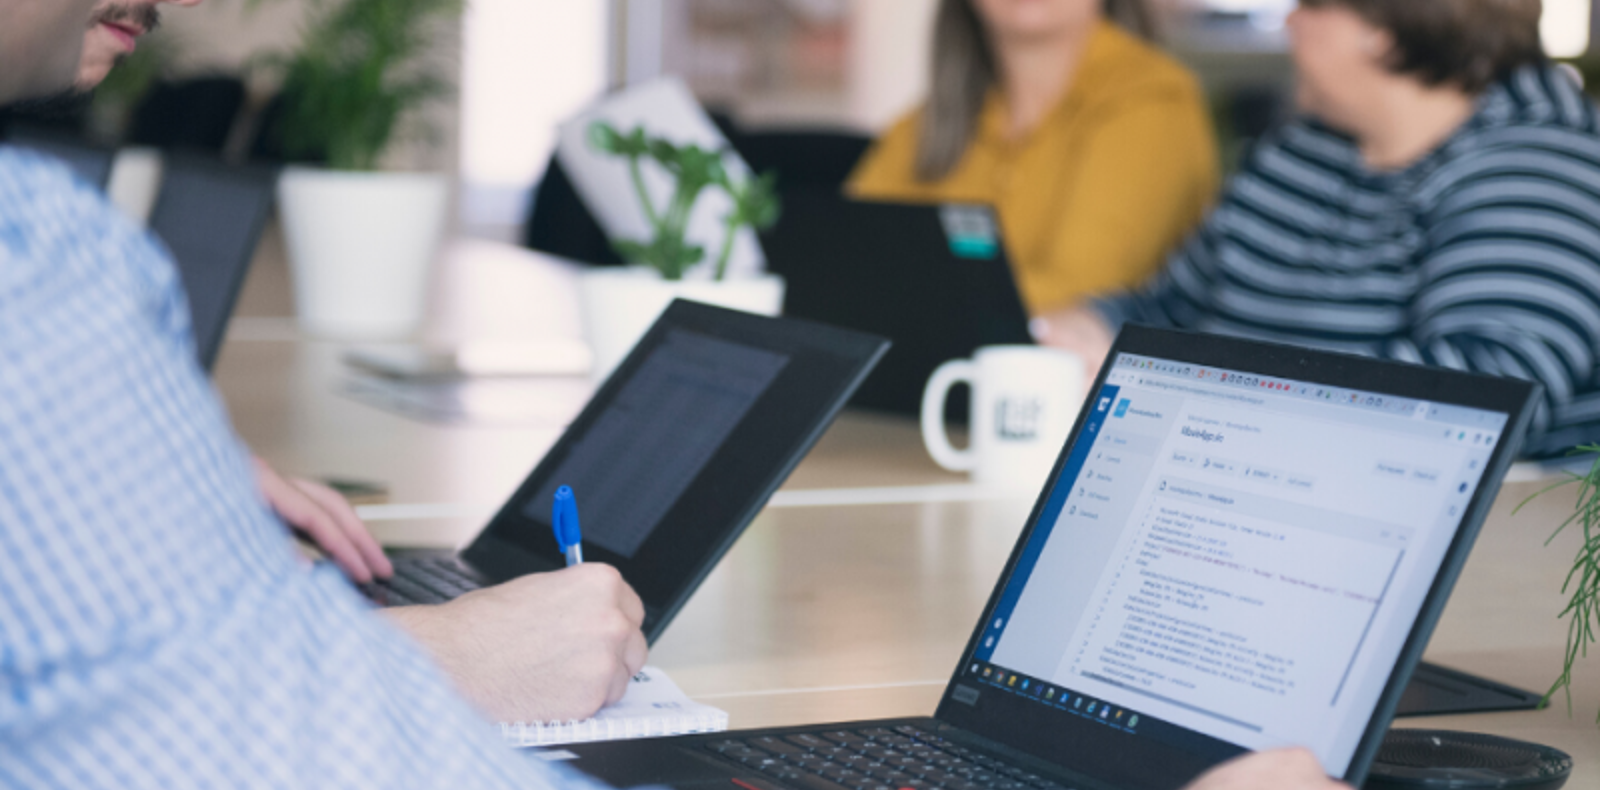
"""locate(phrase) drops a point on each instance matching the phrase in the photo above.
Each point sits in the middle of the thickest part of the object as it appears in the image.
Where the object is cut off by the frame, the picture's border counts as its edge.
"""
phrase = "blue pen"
(564, 521)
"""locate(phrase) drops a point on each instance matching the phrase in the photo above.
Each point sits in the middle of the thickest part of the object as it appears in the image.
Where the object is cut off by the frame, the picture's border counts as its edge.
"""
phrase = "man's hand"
(1284, 769)
(1079, 330)
(324, 516)
(543, 647)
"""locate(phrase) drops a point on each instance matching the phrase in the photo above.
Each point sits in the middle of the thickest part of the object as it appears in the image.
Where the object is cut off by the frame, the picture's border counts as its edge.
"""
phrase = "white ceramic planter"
(361, 246)
(620, 304)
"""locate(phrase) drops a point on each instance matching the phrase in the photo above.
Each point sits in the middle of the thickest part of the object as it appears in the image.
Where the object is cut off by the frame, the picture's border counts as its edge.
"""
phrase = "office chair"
(559, 223)
(805, 160)
(211, 217)
(195, 114)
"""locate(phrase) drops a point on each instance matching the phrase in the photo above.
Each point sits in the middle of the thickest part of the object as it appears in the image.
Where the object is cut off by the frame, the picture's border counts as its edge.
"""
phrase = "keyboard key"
(809, 741)
(813, 782)
(774, 745)
(843, 737)
(412, 590)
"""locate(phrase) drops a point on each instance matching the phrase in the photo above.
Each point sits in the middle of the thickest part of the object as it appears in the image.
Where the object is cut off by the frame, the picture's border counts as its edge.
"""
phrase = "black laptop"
(933, 279)
(669, 461)
(1242, 546)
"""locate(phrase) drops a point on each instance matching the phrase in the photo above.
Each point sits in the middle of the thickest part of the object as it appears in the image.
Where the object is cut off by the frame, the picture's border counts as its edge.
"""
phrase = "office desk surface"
(833, 608)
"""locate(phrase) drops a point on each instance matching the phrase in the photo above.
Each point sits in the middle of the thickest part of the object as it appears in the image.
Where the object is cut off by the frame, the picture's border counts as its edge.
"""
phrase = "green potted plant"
(361, 241)
(1582, 583)
(669, 251)
(667, 179)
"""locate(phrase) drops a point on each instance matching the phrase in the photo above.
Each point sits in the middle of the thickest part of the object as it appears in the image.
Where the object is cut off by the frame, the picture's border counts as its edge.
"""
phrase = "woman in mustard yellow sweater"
(1095, 149)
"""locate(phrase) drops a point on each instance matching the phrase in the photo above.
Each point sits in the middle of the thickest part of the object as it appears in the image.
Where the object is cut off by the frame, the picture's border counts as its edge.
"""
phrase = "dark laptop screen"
(1228, 560)
(681, 447)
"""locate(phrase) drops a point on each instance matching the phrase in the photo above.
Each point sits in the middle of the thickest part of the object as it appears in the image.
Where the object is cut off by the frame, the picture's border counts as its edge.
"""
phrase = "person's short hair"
(1468, 43)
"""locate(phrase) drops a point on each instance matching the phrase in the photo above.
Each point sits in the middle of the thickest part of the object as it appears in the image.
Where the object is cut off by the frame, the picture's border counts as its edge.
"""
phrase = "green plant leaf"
(359, 73)
(1582, 583)
(755, 201)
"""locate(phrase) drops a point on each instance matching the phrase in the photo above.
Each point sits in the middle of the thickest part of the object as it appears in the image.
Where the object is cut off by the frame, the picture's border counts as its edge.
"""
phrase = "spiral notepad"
(653, 706)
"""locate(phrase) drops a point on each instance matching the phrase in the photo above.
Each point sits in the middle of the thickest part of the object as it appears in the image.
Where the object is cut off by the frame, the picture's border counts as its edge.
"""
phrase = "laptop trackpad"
(650, 761)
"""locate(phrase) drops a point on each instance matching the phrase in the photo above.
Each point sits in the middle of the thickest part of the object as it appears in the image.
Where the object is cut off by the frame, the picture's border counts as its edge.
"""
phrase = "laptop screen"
(1230, 561)
(680, 448)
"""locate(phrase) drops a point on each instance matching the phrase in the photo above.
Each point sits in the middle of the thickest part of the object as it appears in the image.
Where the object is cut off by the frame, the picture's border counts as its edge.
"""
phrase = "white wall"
(1565, 27)
(889, 59)
(527, 64)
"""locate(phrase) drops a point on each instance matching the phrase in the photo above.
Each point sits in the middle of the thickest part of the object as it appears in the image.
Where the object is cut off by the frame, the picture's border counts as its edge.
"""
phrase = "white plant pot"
(361, 246)
(620, 304)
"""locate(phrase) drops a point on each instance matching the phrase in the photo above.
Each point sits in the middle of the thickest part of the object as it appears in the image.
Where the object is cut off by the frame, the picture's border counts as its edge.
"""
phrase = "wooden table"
(853, 594)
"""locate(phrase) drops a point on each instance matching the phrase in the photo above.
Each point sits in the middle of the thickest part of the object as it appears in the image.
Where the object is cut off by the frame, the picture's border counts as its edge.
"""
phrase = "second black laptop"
(933, 279)
(670, 460)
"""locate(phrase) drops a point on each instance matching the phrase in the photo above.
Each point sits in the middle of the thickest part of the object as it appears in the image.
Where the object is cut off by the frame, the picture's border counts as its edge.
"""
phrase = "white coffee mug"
(1024, 402)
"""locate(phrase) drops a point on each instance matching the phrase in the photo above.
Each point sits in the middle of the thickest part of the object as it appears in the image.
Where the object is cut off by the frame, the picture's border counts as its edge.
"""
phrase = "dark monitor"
(210, 216)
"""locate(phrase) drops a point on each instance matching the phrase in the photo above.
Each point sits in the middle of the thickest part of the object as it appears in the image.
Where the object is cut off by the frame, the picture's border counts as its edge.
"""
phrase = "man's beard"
(64, 108)
(143, 16)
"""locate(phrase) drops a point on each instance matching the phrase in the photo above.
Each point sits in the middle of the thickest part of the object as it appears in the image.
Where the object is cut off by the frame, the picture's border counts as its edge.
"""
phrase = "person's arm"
(1283, 769)
(327, 519)
(1174, 298)
(1510, 284)
(542, 647)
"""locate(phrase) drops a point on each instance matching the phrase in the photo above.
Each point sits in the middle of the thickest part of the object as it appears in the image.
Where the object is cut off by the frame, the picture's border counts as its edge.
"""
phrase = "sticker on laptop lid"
(971, 231)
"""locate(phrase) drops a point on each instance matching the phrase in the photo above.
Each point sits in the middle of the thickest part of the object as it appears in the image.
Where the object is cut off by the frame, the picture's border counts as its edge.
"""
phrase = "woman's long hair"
(964, 70)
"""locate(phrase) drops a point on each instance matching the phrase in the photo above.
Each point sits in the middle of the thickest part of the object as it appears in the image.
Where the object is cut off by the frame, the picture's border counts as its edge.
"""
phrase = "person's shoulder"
(888, 164)
(54, 225)
(1122, 65)
(33, 186)
(1536, 111)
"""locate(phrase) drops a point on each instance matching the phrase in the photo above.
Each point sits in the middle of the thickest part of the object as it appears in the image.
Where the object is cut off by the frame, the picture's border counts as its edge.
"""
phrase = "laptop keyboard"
(422, 579)
(875, 759)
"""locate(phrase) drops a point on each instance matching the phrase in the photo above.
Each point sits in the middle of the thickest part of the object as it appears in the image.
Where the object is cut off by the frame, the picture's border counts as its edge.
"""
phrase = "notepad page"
(652, 707)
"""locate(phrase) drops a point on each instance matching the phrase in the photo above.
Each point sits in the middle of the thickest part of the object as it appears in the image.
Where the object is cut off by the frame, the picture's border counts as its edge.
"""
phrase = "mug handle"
(934, 436)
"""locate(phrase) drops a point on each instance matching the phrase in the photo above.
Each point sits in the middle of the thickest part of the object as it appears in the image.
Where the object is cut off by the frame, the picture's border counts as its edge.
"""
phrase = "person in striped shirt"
(1439, 203)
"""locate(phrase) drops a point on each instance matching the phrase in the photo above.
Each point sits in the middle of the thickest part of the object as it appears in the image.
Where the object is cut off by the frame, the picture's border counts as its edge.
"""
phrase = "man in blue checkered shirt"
(156, 631)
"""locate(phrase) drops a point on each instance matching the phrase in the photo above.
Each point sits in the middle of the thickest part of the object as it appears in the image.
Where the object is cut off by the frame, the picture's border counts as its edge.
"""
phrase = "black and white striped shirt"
(1483, 256)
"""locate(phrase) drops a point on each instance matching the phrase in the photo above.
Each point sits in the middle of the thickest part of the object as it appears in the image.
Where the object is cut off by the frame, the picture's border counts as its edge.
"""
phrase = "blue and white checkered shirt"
(156, 629)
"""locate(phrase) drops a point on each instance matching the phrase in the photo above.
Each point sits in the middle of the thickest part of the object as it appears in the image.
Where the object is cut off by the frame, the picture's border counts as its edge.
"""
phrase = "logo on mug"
(1018, 420)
